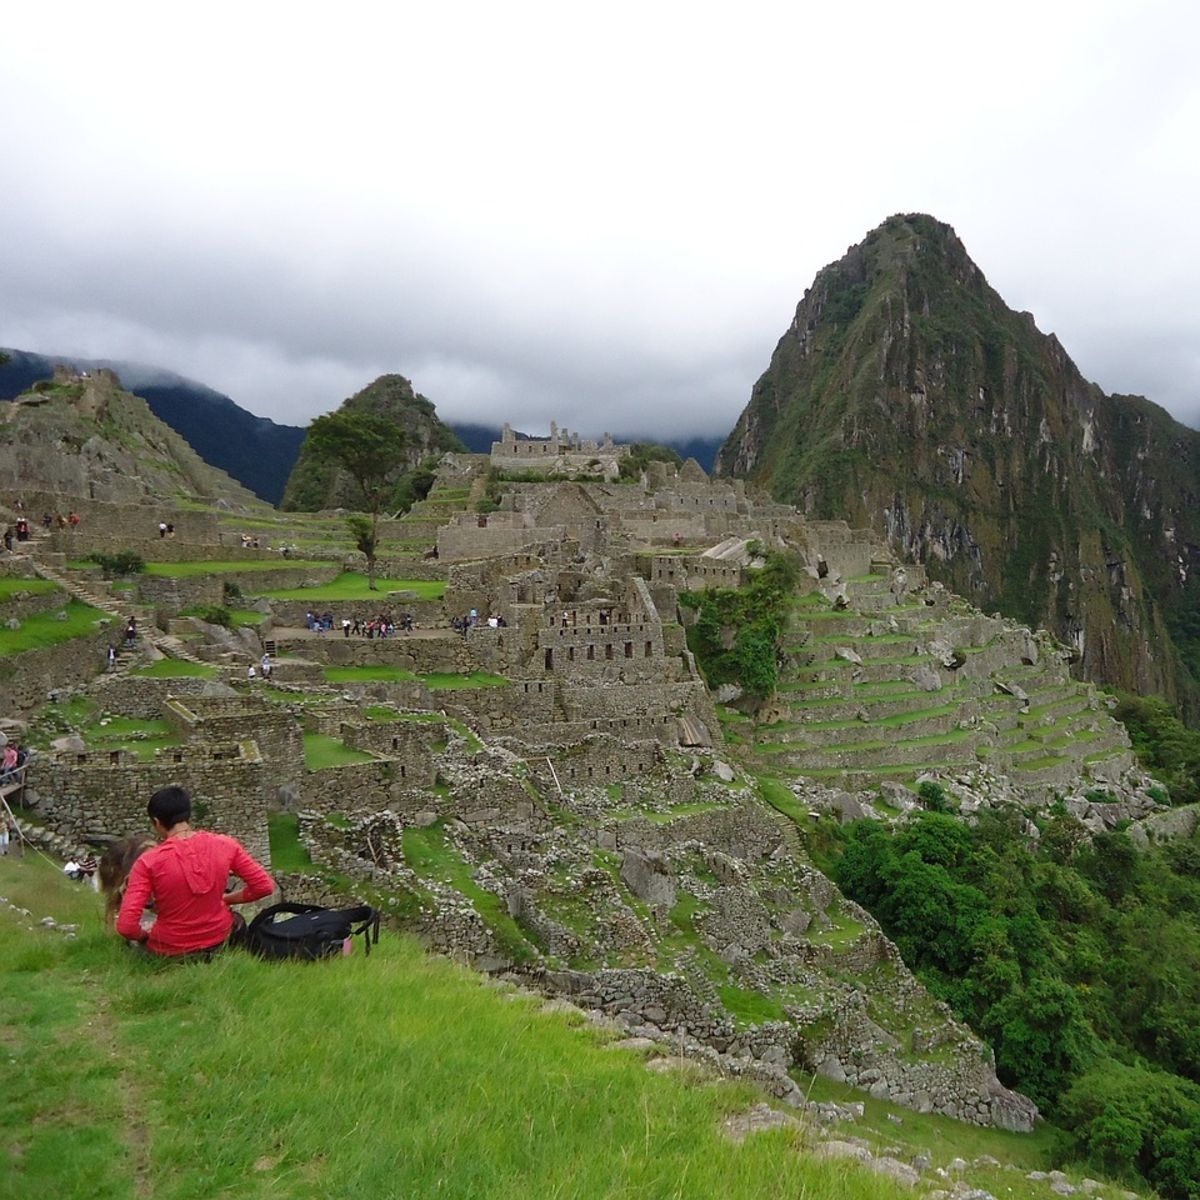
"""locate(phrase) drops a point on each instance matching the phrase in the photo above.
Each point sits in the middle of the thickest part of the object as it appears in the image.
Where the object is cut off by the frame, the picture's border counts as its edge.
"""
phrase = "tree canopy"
(372, 450)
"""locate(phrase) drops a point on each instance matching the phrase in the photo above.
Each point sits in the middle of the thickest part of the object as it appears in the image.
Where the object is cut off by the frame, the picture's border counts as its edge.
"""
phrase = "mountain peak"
(906, 395)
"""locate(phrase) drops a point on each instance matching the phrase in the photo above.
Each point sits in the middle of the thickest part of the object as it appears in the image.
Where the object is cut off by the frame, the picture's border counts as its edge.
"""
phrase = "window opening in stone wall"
(549, 660)
(570, 654)
(649, 649)
(608, 650)
(591, 654)
(628, 649)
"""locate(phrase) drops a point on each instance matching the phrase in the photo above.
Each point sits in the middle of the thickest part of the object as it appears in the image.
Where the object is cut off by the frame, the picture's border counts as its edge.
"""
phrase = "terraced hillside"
(880, 686)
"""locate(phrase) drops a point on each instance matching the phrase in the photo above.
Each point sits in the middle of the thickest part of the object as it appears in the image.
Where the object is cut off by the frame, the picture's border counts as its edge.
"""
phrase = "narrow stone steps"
(170, 646)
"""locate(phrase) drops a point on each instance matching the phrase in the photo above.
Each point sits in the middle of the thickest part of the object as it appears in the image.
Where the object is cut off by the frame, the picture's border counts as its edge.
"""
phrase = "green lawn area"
(352, 1077)
(176, 668)
(10, 585)
(352, 585)
(45, 629)
(436, 681)
(142, 737)
(441, 680)
(188, 570)
(377, 673)
(321, 750)
(287, 851)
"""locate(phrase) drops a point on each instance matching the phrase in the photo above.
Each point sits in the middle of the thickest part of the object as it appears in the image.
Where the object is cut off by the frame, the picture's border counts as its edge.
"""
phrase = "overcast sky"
(603, 214)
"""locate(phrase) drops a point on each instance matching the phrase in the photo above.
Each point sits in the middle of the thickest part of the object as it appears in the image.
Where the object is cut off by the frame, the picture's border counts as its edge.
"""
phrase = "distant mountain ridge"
(256, 451)
(905, 395)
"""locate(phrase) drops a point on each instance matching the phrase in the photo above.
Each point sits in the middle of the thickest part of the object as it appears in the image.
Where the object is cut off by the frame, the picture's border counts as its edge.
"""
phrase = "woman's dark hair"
(170, 806)
(115, 864)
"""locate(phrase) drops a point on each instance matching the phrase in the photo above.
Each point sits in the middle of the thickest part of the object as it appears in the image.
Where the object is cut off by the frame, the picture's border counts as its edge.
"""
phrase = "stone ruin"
(598, 842)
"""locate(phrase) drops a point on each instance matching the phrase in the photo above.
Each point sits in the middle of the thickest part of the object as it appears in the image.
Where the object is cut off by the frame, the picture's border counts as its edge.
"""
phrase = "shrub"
(123, 562)
(933, 796)
(232, 591)
(215, 616)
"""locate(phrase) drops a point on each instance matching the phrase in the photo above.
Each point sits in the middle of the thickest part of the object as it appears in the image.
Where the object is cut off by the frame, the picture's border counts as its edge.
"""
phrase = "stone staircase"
(166, 644)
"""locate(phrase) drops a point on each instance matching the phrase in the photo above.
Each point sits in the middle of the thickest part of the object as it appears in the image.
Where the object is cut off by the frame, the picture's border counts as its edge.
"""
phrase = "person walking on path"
(186, 876)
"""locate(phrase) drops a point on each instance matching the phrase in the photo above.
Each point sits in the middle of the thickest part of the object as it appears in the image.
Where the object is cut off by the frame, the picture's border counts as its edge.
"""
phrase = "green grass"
(352, 1077)
(377, 673)
(321, 750)
(436, 681)
(44, 629)
(176, 668)
(749, 1008)
(135, 734)
(10, 585)
(190, 570)
(781, 798)
(352, 585)
(431, 856)
(676, 813)
(287, 851)
(443, 681)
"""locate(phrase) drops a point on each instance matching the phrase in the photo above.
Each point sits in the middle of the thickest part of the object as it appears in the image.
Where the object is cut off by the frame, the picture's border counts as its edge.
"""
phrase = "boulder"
(648, 878)
(926, 679)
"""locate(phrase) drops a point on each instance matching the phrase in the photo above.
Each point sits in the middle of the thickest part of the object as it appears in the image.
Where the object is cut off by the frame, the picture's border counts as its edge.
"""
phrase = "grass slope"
(353, 585)
(45, 629)
(394, 1075)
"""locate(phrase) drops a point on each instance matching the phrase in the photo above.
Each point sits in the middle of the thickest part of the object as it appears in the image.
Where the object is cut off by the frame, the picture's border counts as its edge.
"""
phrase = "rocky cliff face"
(907, 396)
(312, 485)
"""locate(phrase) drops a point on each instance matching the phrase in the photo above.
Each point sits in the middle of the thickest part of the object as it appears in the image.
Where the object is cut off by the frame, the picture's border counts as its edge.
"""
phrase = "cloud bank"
(604, 217)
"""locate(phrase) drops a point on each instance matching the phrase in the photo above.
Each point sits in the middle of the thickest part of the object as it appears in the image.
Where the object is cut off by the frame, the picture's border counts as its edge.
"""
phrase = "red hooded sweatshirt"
(186, 876)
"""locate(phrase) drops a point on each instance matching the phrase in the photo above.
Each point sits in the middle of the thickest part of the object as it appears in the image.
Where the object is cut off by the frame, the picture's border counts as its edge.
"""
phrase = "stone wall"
(28, 678)
(170, 595)
(143, 697)
(152, 548)
(353, 790)
(426, 613)
(213, 721)
(459, 543)
(95, 796)
(410, 744)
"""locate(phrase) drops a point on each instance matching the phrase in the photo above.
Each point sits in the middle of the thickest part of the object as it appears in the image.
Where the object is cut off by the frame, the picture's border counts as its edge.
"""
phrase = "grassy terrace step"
(141, 737)
(902, 772)
(353, 585)
(841, 711)
(176, 668)
(12, 585)
(322, 750)
(435, 681)
(897, 720)
(45, 629)
(863, 750)
(904, 660)
(190, 570)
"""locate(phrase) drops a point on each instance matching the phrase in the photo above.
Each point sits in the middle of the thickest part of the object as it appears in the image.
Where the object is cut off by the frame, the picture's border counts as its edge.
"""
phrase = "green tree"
(371, 449)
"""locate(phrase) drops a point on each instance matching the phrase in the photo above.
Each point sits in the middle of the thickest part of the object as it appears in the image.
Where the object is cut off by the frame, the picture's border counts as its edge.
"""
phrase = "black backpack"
(309, 931)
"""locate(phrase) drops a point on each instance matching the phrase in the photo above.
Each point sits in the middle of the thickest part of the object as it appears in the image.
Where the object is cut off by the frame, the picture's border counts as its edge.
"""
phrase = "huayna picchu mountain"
(908, 397)
(314, 485)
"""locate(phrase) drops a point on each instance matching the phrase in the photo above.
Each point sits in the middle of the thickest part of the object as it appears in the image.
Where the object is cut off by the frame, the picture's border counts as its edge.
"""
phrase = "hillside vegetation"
(1079, 961)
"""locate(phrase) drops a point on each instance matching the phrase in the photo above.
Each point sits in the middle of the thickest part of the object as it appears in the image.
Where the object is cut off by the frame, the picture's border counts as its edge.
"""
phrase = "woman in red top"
(186, 875)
